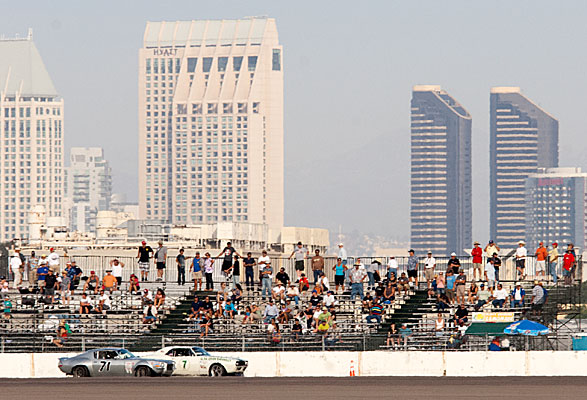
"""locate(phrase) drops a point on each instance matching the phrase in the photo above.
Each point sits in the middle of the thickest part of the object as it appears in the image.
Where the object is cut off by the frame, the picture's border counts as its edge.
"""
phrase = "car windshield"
(122, 354)
(200, 351)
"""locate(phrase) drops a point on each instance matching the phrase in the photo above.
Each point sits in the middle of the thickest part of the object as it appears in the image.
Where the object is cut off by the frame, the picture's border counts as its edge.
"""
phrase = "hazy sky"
(349, 68)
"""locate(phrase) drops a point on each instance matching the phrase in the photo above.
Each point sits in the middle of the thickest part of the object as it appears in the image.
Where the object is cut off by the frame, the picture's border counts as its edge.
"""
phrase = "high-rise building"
(555, 207)
(524, 137)
(441, 210)
(31, 138)
(88, 187)
(211, 122)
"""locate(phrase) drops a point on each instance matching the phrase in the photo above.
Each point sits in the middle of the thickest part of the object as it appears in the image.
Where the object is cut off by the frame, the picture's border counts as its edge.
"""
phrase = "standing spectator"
(541, 256)
(32, 264)
(229, 252)
(496, 265)
(430, 264)
(500, 296)
(117, 267)
(413, 268)
(266, 274)
(568, 263)
(490, 273)
(441, 283)
(477, 254)
(392, 267)
(50, 283)
(236, 272)
(197, 264)
(65, 286)
(301, 253)
(249, 264)
(521, 254)
(342, 254)
(373, 274)
(454, 263)
(517, 296)
(75, 275)
(357, 276)
(53, 260)
(161, 259)
(144, 255)
(461, 283)
(553, 262)
(450, 285)
(208, 270)
(317, 265)
(15, 266)
(571, 247)
(538, 298)
(339, 273)
(180, 260)
(491, 249)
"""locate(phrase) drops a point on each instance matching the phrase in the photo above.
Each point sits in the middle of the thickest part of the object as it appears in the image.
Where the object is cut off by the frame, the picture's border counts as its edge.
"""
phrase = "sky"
(349, 68)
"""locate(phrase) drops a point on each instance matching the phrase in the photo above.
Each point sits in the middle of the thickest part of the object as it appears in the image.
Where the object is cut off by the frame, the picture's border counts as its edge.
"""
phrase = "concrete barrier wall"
(372, 363)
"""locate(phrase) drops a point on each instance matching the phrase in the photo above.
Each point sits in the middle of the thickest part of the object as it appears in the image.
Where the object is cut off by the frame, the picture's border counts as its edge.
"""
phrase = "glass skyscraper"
(441, 197)
(523, 138)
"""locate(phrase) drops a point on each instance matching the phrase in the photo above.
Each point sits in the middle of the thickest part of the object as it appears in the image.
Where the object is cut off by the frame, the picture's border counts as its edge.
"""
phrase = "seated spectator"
(494, 345)
(61, 337)
(206, 324)
(271, 312)
(147, 297)
(149, 314)
(375, 313)
(134, 286)
(7, 305)
(461, 315)
(278, 292)
(403, 283)
(159, 298)
(393, 337)
(293, 293)
(247, 319)
(333, 336)
(256, 314)
(229, 310)
(379, 290)
(93, 283)
(405, 333)
(325, 315)
(483, 297)
(109, 282)
(237, 294)
(195, 309)
(323, 285)
(315, 300)
(388, 294)
(367, 302)
(439, 325)
(285, 312)
(282, 277)
(84, 304)
(309, 315)
(104, 303)
(304, 283)
(442, 302)
(329, 299)
(274, 332)
(322, 327)
(296, 330)
(500, 296)
(517, 296)
(222, 293)
(473, 292)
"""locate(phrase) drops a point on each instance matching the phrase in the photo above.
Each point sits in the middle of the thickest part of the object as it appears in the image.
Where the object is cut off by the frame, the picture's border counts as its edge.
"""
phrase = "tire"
(143, 371)
(216, 370)
(80, 372)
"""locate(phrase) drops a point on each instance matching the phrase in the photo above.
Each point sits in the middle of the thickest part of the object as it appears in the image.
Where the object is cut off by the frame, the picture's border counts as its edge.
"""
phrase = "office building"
(523, 138)
(31, 138)
(555, 207)
(88, 187)
(441, 208)
(211, 122)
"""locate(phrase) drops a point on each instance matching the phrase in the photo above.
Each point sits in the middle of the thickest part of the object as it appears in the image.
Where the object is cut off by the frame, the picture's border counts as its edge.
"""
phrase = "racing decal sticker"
(128, 367)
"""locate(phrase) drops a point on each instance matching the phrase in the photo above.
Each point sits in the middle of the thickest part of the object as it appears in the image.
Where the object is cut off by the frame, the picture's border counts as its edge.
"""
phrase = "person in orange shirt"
(541, 256)
(109, 282)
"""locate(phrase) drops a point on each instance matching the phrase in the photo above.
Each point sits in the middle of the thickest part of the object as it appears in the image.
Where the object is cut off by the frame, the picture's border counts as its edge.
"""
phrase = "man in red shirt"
(477, 254)
(568, 261)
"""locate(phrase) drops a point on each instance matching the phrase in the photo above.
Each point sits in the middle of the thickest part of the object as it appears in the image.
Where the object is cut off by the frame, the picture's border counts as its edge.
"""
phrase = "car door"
(184, 360)
(104, 362)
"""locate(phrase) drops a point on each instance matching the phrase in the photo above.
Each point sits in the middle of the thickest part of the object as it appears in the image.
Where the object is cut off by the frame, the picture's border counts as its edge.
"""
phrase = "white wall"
(372, 363)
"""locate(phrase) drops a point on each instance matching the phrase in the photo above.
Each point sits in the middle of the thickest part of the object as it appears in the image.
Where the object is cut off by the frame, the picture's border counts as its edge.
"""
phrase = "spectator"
(266, 272)
(61, 336)
(147, 297)
(541, 256)
(109, 282)
(403, 283)
(521, 254)
(388, 293)
(222, 293)
(42, 270)
(247, 319)
(553, 262)
(375, 312)
(256, 312)
(477, 254)
(342, 254)
(367, 302)
(454, 264)
(161, 259)
(249, 264)
(442, 302)
(301, 253)
(483, 297)
(538, 298)
(282, 277)
(149, 314)
(304, 284)
(50, 283)
(33, 265)
(208, 270)
(293, 293)
(159, 298)
(451, 286)
(92, 283)
(15, 267)
(323, 285)
(237, 295)
(461, 283)
(317, 265)
(278, 292)
(371, 273)
(571, 247)
(117, 267)
(197, 264)
(405, 333)
(133, 284)
(473, 292)
(7, 306)
(496, 265)
(491, 250)
(104, 303)
(206, 324)
(180, 260)
(144, 255)
(53, 260)
(322, 328)
(440, 283)
(84, 304)
(392, 336)
(65, 285)
(357, 277)
(500, 296)
(315, 299)
(517, 296)
(329, 300)
(229, 309)
(413, 268)
(274, 332)
(236, 271)
(439, 325)
(271, 312)
(568, 263)
(429, 266)
(75, 275)
(392, 267)
(461, 315)
(490, 273)
(296, 330)
(285, 313)
(339, 274)
(229, 252)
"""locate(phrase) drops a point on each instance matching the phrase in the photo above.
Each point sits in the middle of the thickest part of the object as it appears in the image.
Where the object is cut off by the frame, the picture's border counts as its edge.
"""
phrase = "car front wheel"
(79, 372)
(143, 371)
(217, 370)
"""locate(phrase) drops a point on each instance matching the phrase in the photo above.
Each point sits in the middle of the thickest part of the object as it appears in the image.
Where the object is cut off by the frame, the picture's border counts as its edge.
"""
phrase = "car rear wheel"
(217, 370)
(80, 372)
(143, 371)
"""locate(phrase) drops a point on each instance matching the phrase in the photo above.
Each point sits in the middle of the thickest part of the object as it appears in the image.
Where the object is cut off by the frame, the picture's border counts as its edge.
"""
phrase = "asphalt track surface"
(240, 388)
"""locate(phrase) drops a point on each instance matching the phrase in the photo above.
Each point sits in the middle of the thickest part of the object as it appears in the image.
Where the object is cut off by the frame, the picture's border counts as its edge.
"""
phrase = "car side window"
(171, 353)
(107, 355)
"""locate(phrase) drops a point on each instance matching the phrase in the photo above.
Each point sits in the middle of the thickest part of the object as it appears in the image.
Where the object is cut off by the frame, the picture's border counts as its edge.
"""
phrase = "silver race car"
(194, 361)
(114, 362)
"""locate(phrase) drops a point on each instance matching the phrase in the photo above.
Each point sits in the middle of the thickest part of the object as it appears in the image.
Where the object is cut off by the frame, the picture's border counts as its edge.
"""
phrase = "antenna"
(29, 35)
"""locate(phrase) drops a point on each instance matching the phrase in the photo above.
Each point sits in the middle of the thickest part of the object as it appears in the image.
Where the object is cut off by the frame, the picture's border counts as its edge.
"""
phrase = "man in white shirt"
(430, 264)
(521, 254)
(15, 265)
(392, 267)
(342, 253)
(329, 299)
(279, 291)
(500, 295)
(117, 267)
(53, 260)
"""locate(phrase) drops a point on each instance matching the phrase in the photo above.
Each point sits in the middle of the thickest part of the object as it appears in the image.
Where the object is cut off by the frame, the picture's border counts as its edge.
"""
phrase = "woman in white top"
(439, 325)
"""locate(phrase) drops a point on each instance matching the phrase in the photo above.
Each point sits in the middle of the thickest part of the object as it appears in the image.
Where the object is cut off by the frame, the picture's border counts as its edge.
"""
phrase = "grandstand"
(33, 324)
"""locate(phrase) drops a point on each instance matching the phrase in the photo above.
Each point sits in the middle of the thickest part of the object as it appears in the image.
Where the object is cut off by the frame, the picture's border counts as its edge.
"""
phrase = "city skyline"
(315, 128)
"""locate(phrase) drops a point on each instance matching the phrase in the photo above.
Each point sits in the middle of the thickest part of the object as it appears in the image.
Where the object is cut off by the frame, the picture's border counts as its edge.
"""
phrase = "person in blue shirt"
(339, 273)
(229, 309)
(517, 296)
(249, 263)
(450, 286)
(197, 271)
(42, 272)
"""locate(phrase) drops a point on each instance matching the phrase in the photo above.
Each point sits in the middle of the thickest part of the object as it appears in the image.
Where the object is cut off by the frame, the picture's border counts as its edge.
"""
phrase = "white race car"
(197, 361)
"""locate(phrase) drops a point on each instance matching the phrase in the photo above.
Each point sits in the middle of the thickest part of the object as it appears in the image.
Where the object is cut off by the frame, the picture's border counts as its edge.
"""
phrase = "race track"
(176, 388)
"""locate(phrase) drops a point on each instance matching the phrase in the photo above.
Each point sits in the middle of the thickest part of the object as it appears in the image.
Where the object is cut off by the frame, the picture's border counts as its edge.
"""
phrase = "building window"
(192, 64)
(252, 63)
(276, 61)
(148, 66)
(207, 64)
(236, 63)
(222, 61)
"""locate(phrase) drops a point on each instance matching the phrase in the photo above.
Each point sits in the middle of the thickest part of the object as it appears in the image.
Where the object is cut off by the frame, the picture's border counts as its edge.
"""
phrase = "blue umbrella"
(528, 328)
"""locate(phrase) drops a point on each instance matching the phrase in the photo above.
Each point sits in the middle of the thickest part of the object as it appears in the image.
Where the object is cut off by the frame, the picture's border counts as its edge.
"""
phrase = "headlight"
(157, 364)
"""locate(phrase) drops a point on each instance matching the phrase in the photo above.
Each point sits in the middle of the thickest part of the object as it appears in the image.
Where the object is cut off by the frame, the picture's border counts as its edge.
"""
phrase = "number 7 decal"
(105, 364)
